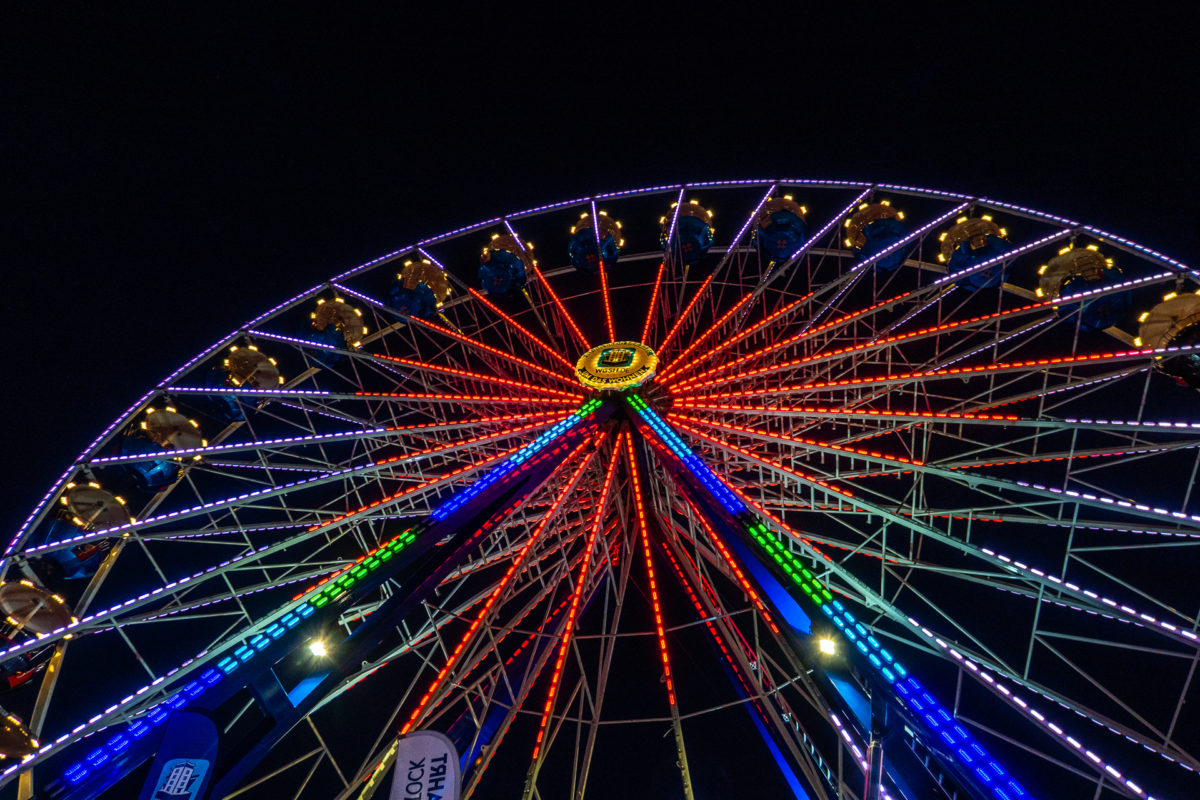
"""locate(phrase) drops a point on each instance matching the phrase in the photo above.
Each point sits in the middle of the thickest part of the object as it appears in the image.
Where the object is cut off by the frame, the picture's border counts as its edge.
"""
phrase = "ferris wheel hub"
(616, 366)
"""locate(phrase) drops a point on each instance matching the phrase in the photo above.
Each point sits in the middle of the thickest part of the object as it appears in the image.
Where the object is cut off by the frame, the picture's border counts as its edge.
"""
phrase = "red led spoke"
(653, 303)
(934, 374)
(561, 308)
(570, 400)
(608, 320)
(698, 340)
(514, 568)
(470, 440)
(806, 477)
(658, 619)
(524, 331)
(573, 613)
(844, 351)
(856, 412)
(467, 340)
(723, 426)
(462, 373)
(678, 367)
(737, 570)
(662, 348)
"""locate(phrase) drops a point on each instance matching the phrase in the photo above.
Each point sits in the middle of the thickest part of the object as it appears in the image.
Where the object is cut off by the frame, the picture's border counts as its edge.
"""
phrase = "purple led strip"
(1157, 256)
(675, 216)
(854, 273)
(595, 227)
(998, 688)
(145, 597)
(819, 235)
(366, 299)
(919, 232)
(1139, 618)
(225, 448)
(1040, 576)
(635, 192)
(1031, 327)
(273, 491)
(927, 192)
(749, 221)
(1005, 256)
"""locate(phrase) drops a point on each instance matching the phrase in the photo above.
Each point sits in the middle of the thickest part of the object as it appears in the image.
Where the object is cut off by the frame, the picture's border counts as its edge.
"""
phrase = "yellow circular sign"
(616, 365)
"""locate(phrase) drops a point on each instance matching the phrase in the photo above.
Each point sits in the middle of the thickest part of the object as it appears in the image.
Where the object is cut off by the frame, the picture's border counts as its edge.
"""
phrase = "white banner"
(426, 768)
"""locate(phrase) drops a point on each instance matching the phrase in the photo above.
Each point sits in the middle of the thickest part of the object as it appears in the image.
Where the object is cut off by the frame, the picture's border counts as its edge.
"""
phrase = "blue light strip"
(690, 460)
(514, 461)
(909, 692)
(314, 599)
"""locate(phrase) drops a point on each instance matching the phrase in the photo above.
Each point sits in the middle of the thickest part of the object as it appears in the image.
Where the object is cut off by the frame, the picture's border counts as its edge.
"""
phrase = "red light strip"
(658, 619)
(716, 634)
(561, 308)
(489, 752)
(573, 613)
(697, 340)
(467, 340)
(513, 569)
(569, 400)
(1003, 366)
(431, 482)
(409, 362)
(819, 411)
(753, 329)
(653, 303)
(756, 457)
(480, 439)
(844, 351)
(737, 571)
(794, 439)
(525, 332)
(662, 348)
(608, 320)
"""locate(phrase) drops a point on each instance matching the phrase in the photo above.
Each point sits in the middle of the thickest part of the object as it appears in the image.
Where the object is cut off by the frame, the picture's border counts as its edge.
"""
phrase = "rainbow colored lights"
(970, 753)
(325, 592)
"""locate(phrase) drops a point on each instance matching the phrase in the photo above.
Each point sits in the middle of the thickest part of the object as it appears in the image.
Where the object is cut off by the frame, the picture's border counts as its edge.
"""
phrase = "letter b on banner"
(426, 768)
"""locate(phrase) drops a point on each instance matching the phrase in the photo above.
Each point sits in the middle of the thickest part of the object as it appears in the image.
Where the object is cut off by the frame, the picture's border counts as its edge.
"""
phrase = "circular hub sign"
(616, 365)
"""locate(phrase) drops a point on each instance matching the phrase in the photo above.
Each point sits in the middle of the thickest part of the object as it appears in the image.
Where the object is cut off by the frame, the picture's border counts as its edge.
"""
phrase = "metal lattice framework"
(896, 464)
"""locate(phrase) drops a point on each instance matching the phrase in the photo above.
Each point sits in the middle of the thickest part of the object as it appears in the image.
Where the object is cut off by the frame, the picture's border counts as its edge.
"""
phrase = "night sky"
(170, 174)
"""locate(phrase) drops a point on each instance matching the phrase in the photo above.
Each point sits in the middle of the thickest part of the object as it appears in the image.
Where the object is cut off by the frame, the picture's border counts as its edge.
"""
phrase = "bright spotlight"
(317, 648)
(827, 646)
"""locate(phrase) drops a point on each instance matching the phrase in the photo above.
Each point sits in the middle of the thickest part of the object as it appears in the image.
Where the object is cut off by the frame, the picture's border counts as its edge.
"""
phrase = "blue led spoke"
(76, 773)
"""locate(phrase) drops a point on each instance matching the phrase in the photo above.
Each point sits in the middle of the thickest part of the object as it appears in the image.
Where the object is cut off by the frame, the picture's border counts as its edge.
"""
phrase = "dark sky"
(170, 174)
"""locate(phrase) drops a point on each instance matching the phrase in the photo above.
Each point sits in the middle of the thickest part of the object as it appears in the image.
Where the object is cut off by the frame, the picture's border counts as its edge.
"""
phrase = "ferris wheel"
(812, 488)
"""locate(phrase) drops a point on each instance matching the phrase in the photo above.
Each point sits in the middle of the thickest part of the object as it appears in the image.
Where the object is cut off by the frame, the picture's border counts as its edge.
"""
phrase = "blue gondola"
(70, 563)
(693, 234)
(337, 324)
(503, 265)
(780, 229)
(419, 289)
(1175, 322)
(1077, 270)
(971, 242)
(152, 475)
(583, 249)
(873, 228)
(224, 408)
